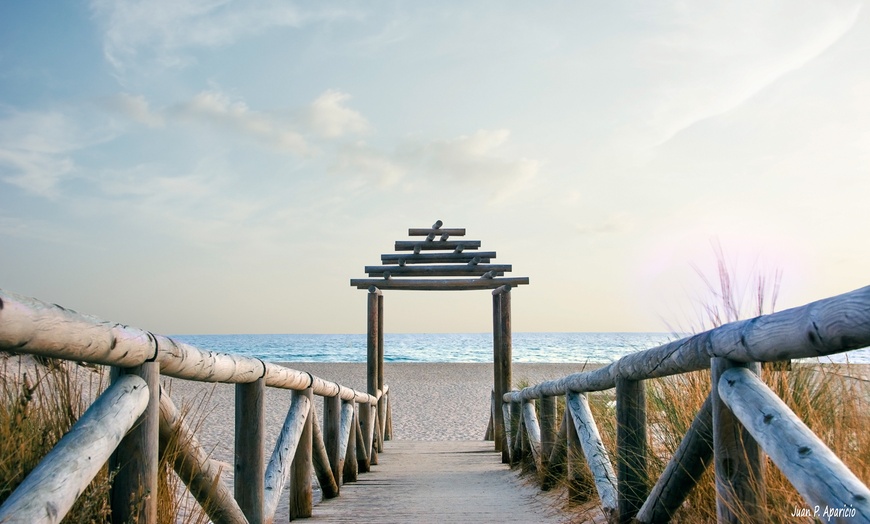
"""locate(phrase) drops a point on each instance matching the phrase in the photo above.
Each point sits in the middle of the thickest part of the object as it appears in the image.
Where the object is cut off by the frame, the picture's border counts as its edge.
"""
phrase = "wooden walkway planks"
(448, 481)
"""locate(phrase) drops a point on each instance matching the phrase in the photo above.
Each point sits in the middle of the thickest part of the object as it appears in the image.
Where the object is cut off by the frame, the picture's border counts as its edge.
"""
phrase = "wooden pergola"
(441, 259)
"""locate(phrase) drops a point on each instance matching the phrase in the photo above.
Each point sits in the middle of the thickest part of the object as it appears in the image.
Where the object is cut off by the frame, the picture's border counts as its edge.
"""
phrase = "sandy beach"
(430, 402)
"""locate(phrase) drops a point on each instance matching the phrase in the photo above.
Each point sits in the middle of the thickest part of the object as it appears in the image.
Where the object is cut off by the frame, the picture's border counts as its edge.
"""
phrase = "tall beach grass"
(40, 401)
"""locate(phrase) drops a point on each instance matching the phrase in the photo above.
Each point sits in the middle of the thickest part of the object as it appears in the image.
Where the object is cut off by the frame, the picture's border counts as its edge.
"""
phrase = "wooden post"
(372, 374)
(382, 402)
(279, 469)
(363, 449)
(332, 436)
(533, 433)
(631, 447)
(508, 429)
(351, 466)
(556, 458)
(320, 459)
(573, 459)
(488, 434)
(388, 433)
(683, 471)
(737, 458)
(250, 467)
(593, 449)
(502, 363)
(516, 451)
(301, 488)
(548, 434)
(498, 388)
(134, 489)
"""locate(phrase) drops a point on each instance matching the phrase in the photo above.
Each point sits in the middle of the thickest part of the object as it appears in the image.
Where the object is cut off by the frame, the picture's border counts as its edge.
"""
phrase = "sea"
(448, 347)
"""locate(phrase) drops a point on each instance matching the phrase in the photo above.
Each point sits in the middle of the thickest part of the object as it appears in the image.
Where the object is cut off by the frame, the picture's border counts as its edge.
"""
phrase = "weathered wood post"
(556, 460)
(597, 458)
(382, 402)
(301, 488)
(351, 467)
(497, 387)
(372, 359)
(280, 464)
(362, 450)
(737, 458)
(250, 467)
(388, 432)
(548, 435)
(516, 427)
(631, 471)
(502, 348)
(576, 491)
(134, 489)
(332, 436)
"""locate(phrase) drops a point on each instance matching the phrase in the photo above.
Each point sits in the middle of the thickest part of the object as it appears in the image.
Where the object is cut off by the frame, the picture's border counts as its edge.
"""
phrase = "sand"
(432, 402)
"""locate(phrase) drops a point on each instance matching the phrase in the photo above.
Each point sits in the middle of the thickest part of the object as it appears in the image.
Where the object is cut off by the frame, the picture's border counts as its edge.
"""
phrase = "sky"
(211, 166)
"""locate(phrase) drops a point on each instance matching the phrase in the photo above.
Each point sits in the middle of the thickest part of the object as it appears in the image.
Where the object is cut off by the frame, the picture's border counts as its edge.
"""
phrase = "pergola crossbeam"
(428, 284)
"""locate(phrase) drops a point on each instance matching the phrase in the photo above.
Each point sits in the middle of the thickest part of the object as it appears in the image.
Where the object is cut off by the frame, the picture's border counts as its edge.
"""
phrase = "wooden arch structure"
(441, 259)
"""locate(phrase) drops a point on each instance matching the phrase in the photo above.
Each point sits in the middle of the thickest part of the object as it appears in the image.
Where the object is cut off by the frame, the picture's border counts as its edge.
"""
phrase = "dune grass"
(35, 412)
(40, 401)
(832, 399)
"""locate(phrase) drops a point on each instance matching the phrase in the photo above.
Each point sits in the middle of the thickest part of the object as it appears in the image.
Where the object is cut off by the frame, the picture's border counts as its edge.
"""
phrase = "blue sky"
(226, 167)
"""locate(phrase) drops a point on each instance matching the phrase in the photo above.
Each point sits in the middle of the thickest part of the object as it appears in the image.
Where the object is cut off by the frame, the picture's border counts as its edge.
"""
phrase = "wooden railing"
(130, 424)
(740, 418)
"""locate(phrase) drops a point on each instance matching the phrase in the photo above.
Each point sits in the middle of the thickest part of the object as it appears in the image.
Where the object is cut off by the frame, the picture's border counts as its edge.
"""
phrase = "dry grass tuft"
(40, 401)
(38, 405)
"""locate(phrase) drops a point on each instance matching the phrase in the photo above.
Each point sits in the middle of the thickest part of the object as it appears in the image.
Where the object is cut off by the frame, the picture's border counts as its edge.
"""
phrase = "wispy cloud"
(166, 30)
(329, 117)
(36, 149)
(478, 161)
(747, 54)
(136, 108)
(217, 109)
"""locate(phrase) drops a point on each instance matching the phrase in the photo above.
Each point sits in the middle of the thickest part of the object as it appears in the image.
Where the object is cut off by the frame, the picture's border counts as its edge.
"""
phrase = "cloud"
(475, 157)
(329, 118)
(136, 108)
(36, 149)
(475, 161)
(163, 31)
(360, 159)
(722, 58)
(217, 109)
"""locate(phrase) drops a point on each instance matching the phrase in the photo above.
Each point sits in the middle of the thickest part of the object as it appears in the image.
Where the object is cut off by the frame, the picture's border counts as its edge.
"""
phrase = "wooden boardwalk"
(449, 481)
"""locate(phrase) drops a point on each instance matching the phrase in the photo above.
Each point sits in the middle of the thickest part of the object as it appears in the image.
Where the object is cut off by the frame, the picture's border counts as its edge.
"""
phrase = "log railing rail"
(132, 421)
(740, 418)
